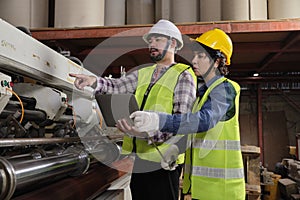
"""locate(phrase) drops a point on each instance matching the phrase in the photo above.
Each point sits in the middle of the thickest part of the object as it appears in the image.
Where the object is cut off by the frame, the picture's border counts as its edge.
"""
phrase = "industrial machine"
(52, 136)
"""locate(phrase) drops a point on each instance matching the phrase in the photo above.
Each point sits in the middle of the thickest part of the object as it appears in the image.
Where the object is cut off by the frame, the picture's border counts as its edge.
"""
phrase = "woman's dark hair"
(214, 55)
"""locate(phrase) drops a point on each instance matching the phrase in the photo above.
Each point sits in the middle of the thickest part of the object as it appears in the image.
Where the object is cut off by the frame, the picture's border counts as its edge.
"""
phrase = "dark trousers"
(159, 184)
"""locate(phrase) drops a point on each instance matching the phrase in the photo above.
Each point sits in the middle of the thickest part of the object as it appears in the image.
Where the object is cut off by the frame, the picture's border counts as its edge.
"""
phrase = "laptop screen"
(116, 106)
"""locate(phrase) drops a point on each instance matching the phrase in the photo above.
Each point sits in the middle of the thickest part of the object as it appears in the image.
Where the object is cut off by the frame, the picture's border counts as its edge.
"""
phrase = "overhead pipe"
(260, 123)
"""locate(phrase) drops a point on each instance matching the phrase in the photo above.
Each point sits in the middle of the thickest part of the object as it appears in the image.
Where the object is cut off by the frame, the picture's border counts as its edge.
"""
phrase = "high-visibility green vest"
(159, 98)
(214, 165)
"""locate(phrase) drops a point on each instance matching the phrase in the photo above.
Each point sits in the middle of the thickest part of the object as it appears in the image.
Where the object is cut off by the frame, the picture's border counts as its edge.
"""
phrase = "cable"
(74, 116)
(100, 118)
(21, 103)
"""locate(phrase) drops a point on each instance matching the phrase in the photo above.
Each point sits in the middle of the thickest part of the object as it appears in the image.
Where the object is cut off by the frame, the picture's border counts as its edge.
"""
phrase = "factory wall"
(280, 119)
(272, 102)
(78, 13)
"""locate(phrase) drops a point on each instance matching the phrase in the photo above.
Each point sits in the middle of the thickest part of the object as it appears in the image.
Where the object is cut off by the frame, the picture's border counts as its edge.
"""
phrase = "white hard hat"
(167, 28)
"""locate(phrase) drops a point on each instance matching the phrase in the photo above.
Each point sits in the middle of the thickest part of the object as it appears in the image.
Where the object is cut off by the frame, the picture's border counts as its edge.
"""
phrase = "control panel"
(5, 94)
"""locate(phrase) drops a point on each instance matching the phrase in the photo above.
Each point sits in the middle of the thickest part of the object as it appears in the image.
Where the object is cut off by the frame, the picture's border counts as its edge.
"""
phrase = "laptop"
(116, 106)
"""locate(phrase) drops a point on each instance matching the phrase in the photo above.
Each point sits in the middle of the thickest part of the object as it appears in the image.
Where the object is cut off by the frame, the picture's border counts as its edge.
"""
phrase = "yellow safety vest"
(214, 165)
(159, 98)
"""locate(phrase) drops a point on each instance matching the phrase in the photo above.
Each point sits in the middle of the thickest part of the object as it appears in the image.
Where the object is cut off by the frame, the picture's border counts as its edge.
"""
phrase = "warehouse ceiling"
(270, 48)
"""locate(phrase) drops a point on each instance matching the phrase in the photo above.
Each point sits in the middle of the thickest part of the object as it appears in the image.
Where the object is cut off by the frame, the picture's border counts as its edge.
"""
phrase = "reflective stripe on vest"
(216, 172)
(217, 145)
(160, 98)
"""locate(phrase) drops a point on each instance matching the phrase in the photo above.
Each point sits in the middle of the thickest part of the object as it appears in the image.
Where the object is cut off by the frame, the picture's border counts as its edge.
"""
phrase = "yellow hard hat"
(217, 40)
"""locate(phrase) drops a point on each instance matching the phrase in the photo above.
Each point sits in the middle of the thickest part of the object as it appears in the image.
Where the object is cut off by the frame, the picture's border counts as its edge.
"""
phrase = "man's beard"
(157, 58)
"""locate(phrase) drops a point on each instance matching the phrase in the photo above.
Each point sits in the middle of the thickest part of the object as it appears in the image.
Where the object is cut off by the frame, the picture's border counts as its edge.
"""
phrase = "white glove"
(170, 157)
(145, 121)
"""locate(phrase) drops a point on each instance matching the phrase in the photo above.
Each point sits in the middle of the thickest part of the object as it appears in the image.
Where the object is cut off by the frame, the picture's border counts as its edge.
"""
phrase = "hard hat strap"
(166, 47)
(208, 71)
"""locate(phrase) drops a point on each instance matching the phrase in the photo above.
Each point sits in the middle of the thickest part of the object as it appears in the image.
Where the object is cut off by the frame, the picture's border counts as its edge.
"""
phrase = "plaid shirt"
(184, 93)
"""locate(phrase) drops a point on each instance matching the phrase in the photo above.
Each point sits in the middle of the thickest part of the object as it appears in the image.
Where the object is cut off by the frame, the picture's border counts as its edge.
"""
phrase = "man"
(214, 165)
(166, 86)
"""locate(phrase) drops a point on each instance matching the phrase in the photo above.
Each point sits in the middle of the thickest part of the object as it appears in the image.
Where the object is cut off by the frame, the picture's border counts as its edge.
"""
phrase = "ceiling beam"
(247, 47)
(274, 47)
(290, 40)
(272, 67)
(274, 79)
(185, 28)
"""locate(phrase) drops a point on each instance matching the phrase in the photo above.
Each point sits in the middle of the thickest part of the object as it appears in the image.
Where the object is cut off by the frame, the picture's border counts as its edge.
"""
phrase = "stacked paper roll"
(78, 13)
(28, 13)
